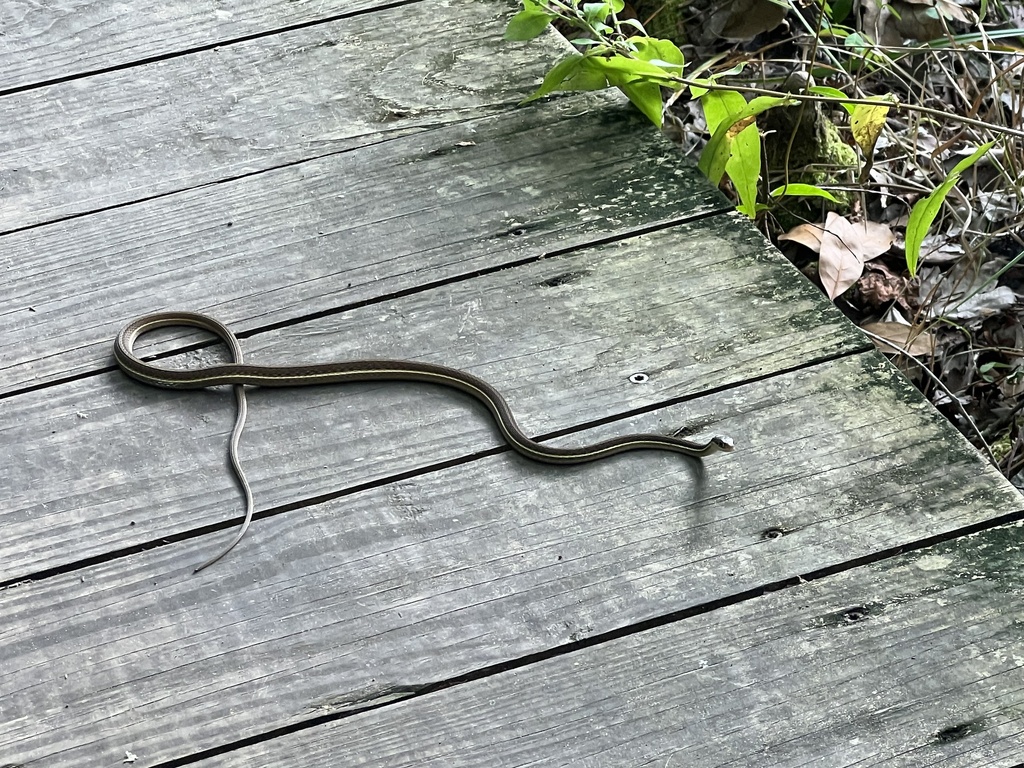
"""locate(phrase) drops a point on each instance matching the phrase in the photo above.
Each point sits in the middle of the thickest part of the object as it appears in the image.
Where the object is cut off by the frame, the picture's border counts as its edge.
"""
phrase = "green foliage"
(1012, 374)
(601, 67)
(619, 53)
(716, 154)
(529, 22)
(839, 10)
(640, 80)
(927, 208)
(735, 145)
(737, 152)
(614, 55)
(803, 190)
(834, 93)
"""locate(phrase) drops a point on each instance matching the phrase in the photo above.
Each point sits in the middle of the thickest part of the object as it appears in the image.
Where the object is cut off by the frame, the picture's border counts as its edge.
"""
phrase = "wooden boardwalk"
(354, 179)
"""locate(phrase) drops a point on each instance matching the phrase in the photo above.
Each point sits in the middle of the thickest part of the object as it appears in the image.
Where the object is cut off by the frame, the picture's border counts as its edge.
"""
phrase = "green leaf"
(718, 105)
(859, 44)
(971, 159)
(741, 157)
(923, 214)
(621, 70)
(587, 78)
(716, 152)
(761, 103)
(802, 190)
(835, 93)
(840, 10)
(696, 89)
(559, 73)
(633, 23)
(527, 24)
(921, 217)
(665, 53)
(638, 78)
(744, 168)
(596, 12)
(647, 98)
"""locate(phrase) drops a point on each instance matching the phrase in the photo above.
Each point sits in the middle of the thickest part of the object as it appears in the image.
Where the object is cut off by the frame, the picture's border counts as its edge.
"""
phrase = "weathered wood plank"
(340, 231)
(373, 595)
(50, 41)
(42, 42)
(178, 123)
(125, 464)
(929, 675)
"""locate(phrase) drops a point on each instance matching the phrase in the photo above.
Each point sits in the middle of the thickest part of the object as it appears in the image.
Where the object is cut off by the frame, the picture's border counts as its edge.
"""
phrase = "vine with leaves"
(617, 52)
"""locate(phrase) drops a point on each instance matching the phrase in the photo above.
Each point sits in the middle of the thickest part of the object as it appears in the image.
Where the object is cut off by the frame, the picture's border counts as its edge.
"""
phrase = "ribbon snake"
(239, 374)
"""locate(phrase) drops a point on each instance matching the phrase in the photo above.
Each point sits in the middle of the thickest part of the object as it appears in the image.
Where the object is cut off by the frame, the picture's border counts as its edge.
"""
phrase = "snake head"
(723, 443)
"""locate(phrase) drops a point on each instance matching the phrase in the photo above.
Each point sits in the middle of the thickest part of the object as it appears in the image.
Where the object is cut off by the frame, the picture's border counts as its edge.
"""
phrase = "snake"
(239, 374)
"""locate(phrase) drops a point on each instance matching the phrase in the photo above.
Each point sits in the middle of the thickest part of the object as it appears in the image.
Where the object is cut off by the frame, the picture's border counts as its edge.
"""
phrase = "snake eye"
(639, 378)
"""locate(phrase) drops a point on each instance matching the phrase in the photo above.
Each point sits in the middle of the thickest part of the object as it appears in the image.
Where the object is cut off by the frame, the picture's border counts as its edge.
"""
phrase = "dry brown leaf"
(879, 288)
(839, 263)
(842, 247)
(838, 267)
(952, 10)
(978, 305)
(873, 239)
(808, 235)
(906, 337)
(961, 293)
(917, 22)
(864, 239)
(1012, 384)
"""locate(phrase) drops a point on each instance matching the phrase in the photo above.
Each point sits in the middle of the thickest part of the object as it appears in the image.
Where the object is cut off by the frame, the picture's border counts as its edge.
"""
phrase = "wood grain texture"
(912, 662)
(340, 231)
(55, 40)
(239, 109)
(371, 596)
(126, 464)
